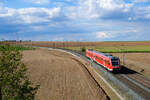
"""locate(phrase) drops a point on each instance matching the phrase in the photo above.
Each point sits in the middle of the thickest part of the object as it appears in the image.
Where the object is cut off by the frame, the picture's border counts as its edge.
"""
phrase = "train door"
(108, 64)
(104, 63)
(93, 57)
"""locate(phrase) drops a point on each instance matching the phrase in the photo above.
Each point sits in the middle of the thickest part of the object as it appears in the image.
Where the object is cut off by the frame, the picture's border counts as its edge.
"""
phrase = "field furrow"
(60, 76)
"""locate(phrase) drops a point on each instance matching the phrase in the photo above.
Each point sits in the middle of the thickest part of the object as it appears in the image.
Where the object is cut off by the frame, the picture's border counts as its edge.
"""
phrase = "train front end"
(115, 61)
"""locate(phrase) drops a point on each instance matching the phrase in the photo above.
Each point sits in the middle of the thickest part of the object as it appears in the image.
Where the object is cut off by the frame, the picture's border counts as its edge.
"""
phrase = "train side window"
(100, 58)
(105, 61)
(97, 57)
(89, 54)
(108, 63)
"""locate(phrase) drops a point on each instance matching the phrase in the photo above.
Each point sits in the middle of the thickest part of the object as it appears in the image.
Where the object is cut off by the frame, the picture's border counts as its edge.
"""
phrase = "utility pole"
(123, 56)
(91, 61)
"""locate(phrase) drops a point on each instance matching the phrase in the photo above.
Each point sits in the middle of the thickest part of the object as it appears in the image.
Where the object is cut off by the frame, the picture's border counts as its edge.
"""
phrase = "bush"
(14, 83)
(83, 49)
(15, 47)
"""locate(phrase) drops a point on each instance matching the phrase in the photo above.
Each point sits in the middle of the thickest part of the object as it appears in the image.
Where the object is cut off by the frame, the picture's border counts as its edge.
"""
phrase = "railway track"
(139, 78)
(139, 85)
(135, 85)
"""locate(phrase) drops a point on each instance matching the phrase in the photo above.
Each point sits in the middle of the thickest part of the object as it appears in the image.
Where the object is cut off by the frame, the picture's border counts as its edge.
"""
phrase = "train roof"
(108, 55)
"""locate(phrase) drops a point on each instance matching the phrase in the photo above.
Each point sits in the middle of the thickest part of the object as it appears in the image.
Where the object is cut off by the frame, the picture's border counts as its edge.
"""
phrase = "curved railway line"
(139, 85)
(139, 78)
(136, 86)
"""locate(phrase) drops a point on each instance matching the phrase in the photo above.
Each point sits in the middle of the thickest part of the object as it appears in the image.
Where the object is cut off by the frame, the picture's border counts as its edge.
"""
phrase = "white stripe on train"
(101, 64)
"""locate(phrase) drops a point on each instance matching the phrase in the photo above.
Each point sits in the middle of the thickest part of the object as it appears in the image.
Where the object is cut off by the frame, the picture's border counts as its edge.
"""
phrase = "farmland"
(42, 70)
(116, 49)
(80, 44)
(136, 61)
(61, 76)
(139, 50)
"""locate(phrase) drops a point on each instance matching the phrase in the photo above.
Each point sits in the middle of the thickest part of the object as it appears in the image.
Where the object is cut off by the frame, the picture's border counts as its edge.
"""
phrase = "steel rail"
(128, 94)
(137, 83)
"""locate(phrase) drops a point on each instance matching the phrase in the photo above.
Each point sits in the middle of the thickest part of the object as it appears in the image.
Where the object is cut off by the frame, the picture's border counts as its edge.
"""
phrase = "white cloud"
(56, 38)
(138, 1)
(40, 2)
(130, 31)
(102, 35)
(114, 33)
(1, 4)
(97, 8)
(30, 15)
(35, 15)
(5, 11)
(147, 16)
(37, 28)
(69, 0)
(110, 4)
(141, 13)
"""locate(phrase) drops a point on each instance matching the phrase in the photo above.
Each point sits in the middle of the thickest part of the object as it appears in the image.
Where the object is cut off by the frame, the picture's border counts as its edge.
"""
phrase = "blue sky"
(75, 20)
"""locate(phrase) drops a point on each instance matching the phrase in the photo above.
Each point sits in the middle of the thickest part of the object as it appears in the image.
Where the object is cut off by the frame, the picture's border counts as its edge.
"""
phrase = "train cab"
(115, 63)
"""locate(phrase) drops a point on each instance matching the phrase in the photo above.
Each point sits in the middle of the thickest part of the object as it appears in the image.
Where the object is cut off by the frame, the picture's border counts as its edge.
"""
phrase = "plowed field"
(139, 62)
(61, 76)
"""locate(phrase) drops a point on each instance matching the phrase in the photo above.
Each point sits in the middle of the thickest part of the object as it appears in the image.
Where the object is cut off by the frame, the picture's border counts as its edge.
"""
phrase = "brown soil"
(139, 62)
(73, 44)
(61, 76)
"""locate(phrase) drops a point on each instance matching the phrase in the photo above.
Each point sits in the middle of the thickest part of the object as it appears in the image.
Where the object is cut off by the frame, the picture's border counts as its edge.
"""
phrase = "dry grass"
(139, 62)
(80, 44)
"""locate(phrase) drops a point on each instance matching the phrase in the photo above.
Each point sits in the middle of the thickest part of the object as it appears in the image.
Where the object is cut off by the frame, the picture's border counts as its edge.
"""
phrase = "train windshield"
(115, 62)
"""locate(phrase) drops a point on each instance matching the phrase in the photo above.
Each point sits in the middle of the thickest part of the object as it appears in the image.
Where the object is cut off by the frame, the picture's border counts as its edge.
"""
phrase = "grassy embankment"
(116, 49)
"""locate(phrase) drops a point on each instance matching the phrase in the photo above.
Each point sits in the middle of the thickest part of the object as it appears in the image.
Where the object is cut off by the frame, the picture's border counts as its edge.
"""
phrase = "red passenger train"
(108, 61)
